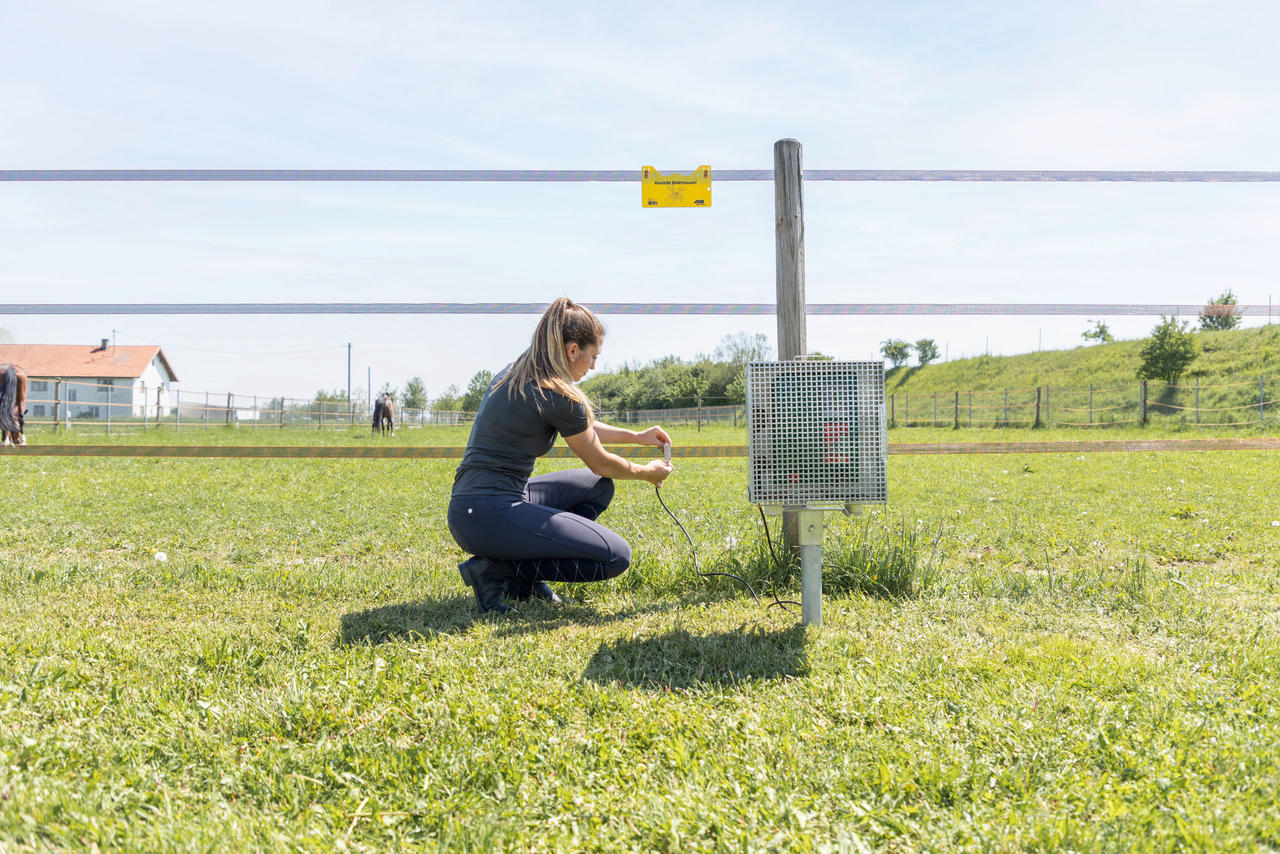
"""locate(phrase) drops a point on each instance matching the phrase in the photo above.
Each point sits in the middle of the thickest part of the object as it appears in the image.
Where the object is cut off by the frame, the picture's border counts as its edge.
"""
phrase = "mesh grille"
(816, 433)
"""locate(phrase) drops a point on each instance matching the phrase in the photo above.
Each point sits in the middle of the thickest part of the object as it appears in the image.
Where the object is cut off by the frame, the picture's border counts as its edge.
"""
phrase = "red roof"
(75, 360)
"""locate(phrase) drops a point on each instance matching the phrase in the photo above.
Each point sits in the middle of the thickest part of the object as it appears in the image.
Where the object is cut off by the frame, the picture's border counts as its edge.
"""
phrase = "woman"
(525, 532)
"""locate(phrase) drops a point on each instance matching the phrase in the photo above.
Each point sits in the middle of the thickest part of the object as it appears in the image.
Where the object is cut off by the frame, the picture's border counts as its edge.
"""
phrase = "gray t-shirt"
(510, 433)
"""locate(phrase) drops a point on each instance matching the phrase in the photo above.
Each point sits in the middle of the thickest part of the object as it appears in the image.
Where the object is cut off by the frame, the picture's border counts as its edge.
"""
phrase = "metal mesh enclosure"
(816, 433)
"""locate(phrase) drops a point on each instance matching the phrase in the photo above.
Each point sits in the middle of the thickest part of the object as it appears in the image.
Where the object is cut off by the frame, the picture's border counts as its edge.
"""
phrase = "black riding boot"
(489, 581)
(523, 591)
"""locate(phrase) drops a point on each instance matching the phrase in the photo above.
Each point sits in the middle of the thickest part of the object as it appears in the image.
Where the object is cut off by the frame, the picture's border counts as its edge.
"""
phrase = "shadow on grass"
(680, 660)
(409, 621)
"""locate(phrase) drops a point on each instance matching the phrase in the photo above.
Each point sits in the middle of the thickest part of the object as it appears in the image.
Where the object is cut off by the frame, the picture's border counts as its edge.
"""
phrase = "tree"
(1100, 333)
(476, 388)
(1168, 352)
(896, 351)
(1220, 313)
(449, 399)
(415, 394)
(926, 351)
(742, 347)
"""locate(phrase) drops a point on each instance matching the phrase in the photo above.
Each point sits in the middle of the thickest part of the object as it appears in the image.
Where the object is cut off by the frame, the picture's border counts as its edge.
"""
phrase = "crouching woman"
(525, 532)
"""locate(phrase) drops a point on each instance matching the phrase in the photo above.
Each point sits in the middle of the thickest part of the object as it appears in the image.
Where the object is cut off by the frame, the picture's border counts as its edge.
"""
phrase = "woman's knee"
(620, 560)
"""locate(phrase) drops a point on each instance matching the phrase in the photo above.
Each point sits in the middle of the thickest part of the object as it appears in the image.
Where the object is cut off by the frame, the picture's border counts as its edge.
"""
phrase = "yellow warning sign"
(675, 190)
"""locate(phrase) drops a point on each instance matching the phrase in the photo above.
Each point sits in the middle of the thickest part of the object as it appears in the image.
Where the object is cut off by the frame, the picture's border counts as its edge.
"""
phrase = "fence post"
(229, 403)
(892, 419)
(1142, 409)
(159, 390)
(57, 405)
(699, 413)
(1197, 400)
(110, 384)
(955, 425)
(1037, 421)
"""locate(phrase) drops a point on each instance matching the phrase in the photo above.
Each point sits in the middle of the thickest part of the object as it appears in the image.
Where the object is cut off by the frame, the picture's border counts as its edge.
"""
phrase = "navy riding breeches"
(549, 533)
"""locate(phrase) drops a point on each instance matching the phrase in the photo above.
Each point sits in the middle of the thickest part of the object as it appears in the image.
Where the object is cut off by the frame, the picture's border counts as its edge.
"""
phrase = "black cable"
(694, 551)
(773, 590)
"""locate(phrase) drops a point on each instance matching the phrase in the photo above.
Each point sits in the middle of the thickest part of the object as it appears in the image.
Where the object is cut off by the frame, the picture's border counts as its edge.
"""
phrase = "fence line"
(68, 403)
(694, 451)
(634, 175)
(757, 309)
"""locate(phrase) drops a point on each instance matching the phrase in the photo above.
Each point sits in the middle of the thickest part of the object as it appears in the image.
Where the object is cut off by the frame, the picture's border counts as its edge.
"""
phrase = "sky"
(491, 85)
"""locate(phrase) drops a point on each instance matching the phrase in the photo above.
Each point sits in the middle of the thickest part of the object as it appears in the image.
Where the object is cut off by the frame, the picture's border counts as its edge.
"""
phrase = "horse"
(384, 415)
(13, 404)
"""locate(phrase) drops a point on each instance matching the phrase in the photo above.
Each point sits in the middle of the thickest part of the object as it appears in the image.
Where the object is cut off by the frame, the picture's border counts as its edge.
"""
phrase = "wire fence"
(1232, 404)
(78, 404)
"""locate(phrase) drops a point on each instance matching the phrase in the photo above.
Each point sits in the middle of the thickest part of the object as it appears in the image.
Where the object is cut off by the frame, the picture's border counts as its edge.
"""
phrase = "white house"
(71, 381)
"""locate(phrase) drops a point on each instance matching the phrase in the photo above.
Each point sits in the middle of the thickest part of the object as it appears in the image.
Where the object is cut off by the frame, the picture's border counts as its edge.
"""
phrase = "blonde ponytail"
(545, 364)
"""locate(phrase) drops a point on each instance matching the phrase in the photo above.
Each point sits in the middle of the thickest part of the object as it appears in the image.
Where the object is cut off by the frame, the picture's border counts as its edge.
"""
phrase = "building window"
(71, 394)
(106, 382)
(38, 411)
(39, 385)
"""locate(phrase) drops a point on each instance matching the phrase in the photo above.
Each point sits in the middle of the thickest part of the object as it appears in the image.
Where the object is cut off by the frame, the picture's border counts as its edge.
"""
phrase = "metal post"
(788, 213)
(810, 536)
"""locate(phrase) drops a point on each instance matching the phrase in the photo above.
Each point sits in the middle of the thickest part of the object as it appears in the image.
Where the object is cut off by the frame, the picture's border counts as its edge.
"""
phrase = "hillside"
(1227, 372)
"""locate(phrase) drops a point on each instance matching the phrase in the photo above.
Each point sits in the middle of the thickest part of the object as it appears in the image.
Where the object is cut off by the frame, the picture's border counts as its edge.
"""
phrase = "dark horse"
(13, 404)
(384, 415)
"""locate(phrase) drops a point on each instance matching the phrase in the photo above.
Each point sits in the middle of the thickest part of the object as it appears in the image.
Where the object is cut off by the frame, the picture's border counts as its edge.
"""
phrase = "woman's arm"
(605, 463)
(621, 436)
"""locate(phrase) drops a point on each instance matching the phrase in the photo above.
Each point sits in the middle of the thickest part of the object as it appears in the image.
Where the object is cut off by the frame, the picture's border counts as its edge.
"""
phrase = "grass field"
(1021, 652)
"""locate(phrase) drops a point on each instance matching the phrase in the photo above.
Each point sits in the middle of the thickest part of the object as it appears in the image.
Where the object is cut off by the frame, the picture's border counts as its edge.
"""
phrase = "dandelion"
(161, 556)
(1275, 523)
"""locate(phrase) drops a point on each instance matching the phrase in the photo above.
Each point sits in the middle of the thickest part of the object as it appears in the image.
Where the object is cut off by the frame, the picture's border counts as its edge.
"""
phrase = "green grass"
(1021, 652)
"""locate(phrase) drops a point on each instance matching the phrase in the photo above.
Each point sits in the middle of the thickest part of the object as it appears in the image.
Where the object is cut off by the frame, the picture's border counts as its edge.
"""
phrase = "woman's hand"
(654, 472)
(655, 435)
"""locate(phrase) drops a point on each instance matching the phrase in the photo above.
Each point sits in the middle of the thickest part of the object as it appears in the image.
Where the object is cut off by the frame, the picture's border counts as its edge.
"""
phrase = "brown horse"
(13, 404)
(384, 415)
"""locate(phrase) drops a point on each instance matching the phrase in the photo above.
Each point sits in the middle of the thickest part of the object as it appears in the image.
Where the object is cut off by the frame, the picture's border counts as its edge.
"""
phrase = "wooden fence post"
(1142, 408)
(955, 424)
(1036, 423)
